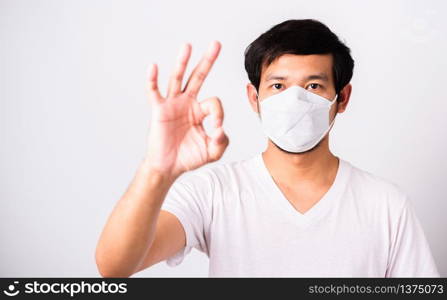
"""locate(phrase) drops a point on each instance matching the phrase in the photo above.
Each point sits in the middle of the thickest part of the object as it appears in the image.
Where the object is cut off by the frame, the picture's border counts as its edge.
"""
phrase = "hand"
(177, 140)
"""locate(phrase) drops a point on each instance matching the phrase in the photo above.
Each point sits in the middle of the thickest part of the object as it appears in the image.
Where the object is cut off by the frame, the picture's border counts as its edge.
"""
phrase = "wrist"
(157, 175)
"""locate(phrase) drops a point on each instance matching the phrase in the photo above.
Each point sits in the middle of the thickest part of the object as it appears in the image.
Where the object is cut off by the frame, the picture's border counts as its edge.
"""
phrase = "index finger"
(200, 72)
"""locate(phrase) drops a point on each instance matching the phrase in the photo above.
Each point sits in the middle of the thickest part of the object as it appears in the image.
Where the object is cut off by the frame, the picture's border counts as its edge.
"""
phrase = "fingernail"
(150, 69)
(212, 45)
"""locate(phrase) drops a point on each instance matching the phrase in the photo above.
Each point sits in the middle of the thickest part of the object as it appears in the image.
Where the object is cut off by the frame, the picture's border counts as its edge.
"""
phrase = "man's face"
(312, 72)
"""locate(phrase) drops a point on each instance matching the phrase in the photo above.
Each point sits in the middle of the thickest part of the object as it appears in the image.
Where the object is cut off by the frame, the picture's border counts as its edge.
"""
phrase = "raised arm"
(137, 233)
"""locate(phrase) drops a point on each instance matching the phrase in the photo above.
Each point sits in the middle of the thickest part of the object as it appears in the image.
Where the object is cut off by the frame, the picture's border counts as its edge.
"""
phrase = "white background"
(74, 114)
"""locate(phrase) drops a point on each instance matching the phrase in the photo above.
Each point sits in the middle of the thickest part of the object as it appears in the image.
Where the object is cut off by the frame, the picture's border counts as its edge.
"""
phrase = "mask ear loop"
(257, 105)
(335, 99)
(332, 102)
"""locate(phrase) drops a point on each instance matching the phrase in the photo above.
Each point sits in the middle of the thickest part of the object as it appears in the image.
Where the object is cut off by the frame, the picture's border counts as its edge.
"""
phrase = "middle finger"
(175, 82)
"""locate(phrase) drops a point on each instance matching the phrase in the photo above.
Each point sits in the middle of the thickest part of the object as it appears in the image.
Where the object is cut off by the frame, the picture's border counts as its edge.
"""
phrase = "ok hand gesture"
(177, 140)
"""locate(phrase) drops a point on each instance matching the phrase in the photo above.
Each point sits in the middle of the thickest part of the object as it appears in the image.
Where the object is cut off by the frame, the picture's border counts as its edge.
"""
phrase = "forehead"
(299, 66)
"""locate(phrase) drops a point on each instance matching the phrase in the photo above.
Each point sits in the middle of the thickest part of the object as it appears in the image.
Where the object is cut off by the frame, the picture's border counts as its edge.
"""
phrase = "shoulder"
(376, 190)
(219, 173)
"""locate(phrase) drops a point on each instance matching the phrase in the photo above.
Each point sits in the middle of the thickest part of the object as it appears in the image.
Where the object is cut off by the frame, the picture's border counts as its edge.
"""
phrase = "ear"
(252, 97)
(343, 98)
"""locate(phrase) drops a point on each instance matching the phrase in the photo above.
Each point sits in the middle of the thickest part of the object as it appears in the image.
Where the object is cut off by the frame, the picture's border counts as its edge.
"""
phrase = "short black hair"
(300, 37)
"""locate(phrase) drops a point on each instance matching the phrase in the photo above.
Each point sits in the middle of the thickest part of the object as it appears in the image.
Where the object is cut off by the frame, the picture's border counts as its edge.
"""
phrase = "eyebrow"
(320, 76)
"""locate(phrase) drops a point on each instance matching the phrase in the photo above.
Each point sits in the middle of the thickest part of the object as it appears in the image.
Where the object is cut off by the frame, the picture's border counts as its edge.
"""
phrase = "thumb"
(216, 144)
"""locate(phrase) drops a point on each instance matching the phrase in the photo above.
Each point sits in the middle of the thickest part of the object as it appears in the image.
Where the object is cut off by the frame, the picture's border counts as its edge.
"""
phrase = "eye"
(314, 86)
(277, 86)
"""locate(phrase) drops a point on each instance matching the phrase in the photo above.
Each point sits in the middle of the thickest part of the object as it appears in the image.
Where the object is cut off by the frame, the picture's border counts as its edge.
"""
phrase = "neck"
(318, 166)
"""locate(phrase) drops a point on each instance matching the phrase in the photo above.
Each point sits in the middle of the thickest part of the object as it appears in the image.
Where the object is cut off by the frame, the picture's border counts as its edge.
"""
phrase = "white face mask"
(296, 119)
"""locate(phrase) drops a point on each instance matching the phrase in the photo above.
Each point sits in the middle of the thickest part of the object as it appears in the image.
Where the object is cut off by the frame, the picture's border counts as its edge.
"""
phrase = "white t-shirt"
(364, 226)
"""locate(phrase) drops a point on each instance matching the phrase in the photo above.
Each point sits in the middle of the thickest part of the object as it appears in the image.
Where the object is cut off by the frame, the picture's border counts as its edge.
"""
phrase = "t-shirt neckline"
(328, 200)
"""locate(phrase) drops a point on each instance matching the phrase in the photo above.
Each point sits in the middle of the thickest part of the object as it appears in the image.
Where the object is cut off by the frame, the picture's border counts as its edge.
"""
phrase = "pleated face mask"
(296, 119)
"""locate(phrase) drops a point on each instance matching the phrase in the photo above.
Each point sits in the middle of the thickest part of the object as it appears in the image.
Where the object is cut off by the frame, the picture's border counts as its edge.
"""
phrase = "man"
(294, 209)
